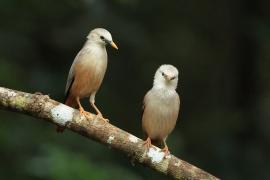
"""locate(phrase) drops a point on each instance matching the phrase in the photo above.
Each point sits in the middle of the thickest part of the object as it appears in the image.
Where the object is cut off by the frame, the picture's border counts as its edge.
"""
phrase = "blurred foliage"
(222, 49)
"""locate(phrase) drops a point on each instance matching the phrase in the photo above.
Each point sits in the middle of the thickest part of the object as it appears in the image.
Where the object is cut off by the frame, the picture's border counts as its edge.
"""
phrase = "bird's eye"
(102, 37)
(162, 73)
(173, 78)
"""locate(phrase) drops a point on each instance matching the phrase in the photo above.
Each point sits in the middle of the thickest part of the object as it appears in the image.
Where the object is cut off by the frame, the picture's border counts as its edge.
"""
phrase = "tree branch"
(41, 106)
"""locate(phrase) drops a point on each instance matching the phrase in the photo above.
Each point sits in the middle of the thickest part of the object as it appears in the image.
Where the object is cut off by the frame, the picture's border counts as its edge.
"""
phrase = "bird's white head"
(101, 36)
(166, 77)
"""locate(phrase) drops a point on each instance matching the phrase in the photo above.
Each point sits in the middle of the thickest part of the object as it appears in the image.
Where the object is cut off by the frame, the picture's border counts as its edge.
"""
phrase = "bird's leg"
(82, 111)
(99, 114)
(165, 149)
(92, 102)
(147, 143)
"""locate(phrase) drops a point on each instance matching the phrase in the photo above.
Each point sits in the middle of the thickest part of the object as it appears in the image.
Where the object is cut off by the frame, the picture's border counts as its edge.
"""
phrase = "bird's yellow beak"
(114, 45)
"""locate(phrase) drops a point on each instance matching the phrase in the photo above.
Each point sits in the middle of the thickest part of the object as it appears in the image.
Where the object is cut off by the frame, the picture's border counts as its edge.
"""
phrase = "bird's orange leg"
(166, 150)
(147, 143)
(99, 114)
(82, 111)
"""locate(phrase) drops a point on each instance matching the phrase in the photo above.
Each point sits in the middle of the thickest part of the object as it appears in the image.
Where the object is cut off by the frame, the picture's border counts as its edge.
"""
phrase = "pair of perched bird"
(161, 103)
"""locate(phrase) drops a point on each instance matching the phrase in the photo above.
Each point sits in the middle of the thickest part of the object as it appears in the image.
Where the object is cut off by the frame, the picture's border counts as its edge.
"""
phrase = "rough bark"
(42, 107)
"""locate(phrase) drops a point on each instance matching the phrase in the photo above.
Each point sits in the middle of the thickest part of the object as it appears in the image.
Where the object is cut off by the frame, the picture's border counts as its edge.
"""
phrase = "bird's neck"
(162, 84)
(163, 87)
(164, 92)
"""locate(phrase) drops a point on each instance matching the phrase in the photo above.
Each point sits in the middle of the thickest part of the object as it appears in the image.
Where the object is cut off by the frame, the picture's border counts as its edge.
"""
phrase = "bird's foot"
(100, 116)
(147, 143)
(166, 151)
(85, 113)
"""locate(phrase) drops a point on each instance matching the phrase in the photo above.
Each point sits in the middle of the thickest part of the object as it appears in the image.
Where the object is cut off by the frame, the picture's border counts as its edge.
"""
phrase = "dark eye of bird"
(173, 78)
(102, 37)
(162, 73)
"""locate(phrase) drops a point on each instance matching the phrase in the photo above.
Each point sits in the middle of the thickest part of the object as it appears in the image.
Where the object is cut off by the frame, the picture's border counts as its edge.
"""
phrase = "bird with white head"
(100, 36)
(161, 106)
(88, 69)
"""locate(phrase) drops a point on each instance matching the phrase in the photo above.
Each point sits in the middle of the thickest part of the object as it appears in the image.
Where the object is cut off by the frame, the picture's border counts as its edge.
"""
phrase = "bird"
(161, 106)
(87, 70)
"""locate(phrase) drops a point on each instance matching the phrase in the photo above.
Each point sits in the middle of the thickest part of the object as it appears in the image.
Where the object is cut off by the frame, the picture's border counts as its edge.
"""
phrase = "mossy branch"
(42, 107)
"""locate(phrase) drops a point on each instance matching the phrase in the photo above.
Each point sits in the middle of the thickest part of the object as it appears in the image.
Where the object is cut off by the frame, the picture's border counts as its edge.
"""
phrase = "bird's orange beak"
(114, 45)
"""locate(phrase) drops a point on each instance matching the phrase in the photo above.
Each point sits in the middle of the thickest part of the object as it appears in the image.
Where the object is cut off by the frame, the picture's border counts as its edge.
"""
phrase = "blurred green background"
(222, 49)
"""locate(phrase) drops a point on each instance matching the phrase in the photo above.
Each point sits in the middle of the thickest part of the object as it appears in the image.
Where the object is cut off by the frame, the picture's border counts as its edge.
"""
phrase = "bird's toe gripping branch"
(147, 143)
(166, 151)
(85, 113)
(100, 116)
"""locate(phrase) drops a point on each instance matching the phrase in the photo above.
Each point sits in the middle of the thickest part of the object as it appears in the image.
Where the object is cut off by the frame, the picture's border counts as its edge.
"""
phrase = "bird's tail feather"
(71, 101)
(157, 142)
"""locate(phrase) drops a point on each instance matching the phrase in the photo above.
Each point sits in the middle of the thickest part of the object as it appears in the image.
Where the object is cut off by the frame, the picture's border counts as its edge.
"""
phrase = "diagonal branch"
(41, 106)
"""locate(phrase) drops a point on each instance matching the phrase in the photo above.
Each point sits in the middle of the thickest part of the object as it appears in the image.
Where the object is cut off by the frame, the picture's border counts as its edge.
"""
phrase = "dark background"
(221, 48)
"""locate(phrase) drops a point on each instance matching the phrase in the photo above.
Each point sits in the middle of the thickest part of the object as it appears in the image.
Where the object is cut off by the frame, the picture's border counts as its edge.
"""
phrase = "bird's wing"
(149, 94)
(71, 74)
(178, 102)
(144, 104)
(144, 101)
(143, 107)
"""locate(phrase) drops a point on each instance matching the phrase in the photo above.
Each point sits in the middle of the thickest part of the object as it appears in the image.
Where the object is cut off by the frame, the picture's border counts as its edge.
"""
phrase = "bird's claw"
(85, 113)
(100, 116)
(166, 151)
(147, 143)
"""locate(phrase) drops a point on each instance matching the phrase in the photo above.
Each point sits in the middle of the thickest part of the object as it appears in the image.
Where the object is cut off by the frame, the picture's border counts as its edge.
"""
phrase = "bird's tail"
(71, 101)
(157, 142)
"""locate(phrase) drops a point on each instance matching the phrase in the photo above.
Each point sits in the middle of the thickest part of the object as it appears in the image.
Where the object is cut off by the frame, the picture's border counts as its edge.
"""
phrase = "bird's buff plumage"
(161, 106)
(88, 70)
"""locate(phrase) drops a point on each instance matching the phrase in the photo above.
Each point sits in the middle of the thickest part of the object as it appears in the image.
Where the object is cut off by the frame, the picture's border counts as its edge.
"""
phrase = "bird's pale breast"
(160, 113)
